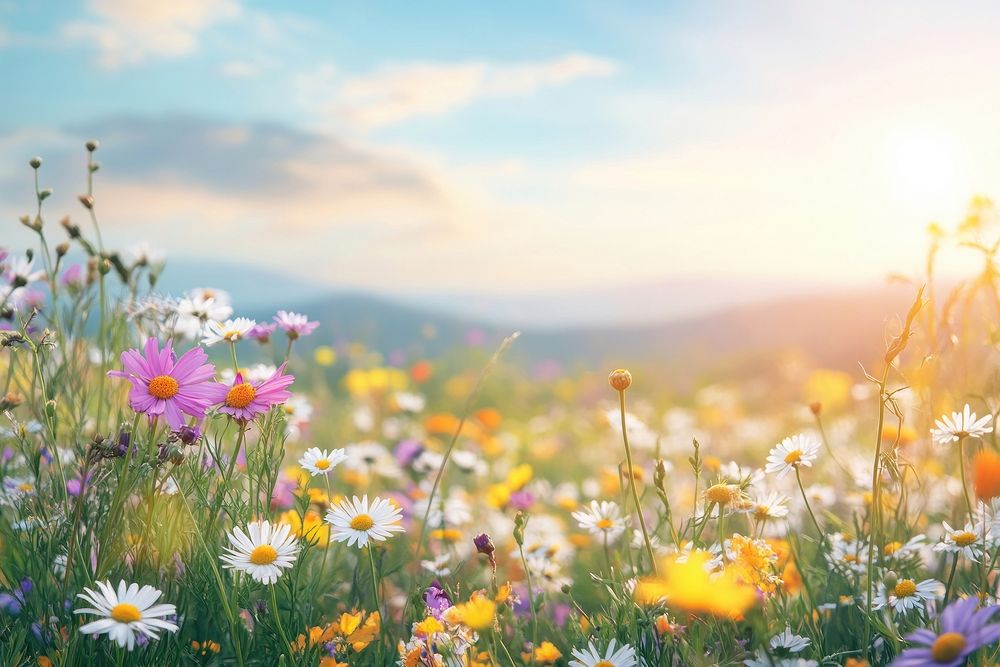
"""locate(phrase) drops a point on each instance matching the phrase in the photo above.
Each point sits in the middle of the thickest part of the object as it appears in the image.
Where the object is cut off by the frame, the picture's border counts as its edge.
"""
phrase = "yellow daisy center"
(947, 647)
(25, 487)
(322, 464)
(905, 588)
(963, 538)
(265, 554)
(604, 663)
(605, 524)
(163, 387)
(721, 494)
(362, 522)
(851, 558)
(793, 457)
(124, 612)
(241, 395)
(892, 547)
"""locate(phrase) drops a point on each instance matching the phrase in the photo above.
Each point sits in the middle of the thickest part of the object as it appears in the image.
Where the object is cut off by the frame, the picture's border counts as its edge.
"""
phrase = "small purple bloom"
(261, 332)
(407, 451)
(522, 500)
(437, 600)
(188, 434)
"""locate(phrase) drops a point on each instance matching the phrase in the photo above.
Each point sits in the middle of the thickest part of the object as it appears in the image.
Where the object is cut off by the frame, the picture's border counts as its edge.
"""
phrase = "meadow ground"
(182, 486)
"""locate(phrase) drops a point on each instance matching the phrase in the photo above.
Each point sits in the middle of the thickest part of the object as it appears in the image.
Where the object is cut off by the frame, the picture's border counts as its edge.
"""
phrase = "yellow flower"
(519, 476)
(478, 613)
(752, 562)
(504, 592)
(427, 627)
(446, 534)
(688, 587)
(547, 653)
(315, 530)
(498, 495)
(324, 356)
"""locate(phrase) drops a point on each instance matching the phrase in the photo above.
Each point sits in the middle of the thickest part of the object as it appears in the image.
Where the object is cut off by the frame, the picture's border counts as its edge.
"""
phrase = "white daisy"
(790, 453)
(591, 657)
(966, 540)
(964, 424)
(907, 594)
(899, 551)
(320, 461)
(263, 551)
(128, 611)
(198, 307)
(603, 519)
(767, 508)
(358, 522)
(847, 555)
(789, 641)
(229, 331)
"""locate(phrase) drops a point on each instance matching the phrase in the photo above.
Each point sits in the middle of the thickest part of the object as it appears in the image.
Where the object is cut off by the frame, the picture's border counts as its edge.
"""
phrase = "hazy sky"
(509, 146)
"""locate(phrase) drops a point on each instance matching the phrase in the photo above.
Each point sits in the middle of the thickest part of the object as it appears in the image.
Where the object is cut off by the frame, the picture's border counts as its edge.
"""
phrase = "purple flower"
(245, 401)
(407, 451)
(484, 544)
(437, 600)
(188, 434)
(165, 385)
(11, 604)
(522, 500)
(76, 486)
(964, 630)
(294, 325)
(261, 332)
(72, 276)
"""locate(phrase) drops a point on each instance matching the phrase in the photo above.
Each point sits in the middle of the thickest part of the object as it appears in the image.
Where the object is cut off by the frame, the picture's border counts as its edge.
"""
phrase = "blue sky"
(510, 148)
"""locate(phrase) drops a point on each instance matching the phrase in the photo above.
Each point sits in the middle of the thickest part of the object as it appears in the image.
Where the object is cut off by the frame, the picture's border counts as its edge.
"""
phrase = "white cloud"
(397, 93)
(126, 32)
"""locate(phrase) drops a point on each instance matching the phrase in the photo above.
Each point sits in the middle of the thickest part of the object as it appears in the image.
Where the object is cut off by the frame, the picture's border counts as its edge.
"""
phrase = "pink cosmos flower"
(295, 325)
(247, 400)
(165, 385)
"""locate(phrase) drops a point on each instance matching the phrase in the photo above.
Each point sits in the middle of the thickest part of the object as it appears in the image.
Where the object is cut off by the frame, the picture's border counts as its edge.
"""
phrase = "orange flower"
(488, 417)
(441, 423)
(906, 436)
(420, 372)
(986, 475)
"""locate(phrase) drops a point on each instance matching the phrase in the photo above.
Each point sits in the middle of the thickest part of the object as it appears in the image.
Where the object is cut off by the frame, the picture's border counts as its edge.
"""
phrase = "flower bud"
(62, 249)
(93, 145)
(816, 407)
(620, 379)
(87, 201)
(35, 162)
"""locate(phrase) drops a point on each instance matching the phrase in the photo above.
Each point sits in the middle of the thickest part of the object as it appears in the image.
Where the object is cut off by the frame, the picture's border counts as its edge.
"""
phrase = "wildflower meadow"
(184, 485)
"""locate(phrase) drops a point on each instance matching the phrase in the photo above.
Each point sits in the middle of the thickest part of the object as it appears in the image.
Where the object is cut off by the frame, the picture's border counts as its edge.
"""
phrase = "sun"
(923, 167)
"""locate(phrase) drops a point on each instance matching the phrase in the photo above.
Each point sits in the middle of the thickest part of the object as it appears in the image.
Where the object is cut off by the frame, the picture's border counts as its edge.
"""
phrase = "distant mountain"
(837, 330)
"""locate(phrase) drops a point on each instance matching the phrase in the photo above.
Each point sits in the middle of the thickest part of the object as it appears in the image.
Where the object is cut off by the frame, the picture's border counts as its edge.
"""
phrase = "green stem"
(531, 595)
(378, 604)
(277, 621)
(631, 481)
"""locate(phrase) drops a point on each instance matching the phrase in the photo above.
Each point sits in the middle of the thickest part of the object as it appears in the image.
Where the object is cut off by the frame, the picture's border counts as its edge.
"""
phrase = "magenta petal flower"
(964, 630)
(295, 325)
(245, 400)
(167, 386)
